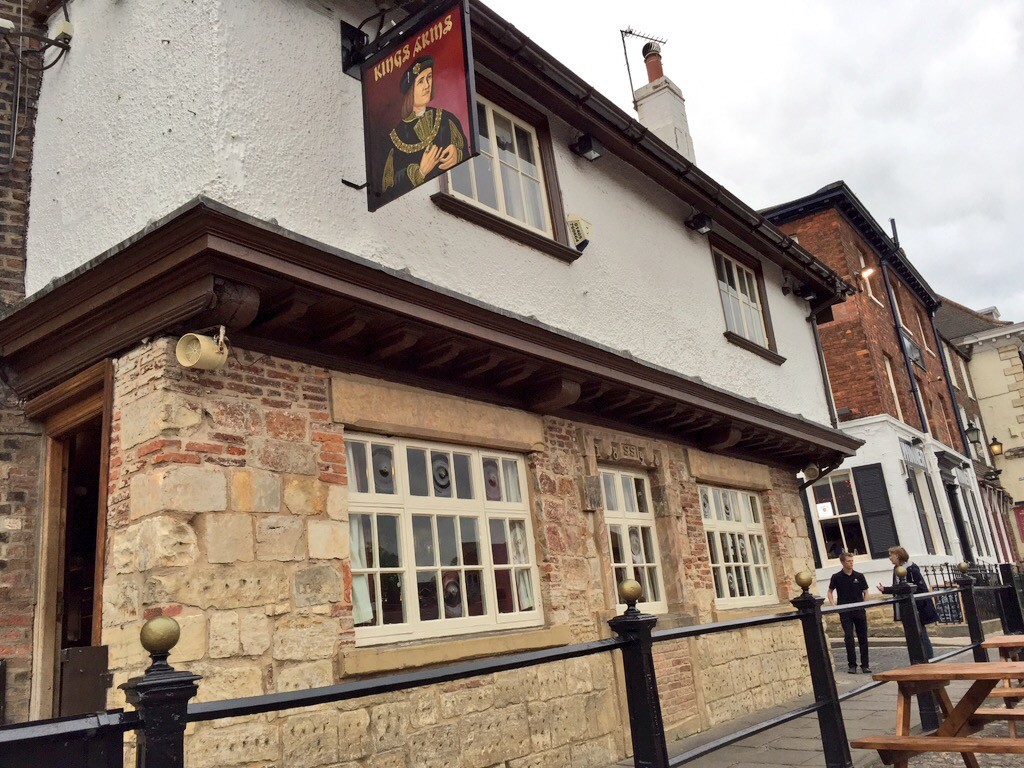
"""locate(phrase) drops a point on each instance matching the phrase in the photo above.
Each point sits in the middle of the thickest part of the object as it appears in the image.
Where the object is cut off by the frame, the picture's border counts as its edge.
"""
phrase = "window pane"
(832, 535)
(485, 129)
(447, 541)
(503, 589)
(463, 477)
(492, 481)
(728, 505)
(755, 509)
(426, 591)
(723, 539)
(716, 574)
(503, 137)
(451, 594)
(362, 541)
(718, 505)
(517, 531)
(636, 549)
(357, 466)
(461, 178)
(387, 541)
(641, 495)
(483, 173)
(512, 192)
(417, 460)
(364, 607)
(730, 277)
(510, 475)
(470, 541)
(611, 499)
(423, 540)
(720, 268)
(534, 203)
(628, 494)
(441, 473)
(844, 496)
(854, 535)
(475, 593)
(652, 582)
(524, 589)
(615, 535)
(499, 547)
(524, 143)
(393, 609)
(705, 503)
(712, 549)
(648, 545)
(383, 469)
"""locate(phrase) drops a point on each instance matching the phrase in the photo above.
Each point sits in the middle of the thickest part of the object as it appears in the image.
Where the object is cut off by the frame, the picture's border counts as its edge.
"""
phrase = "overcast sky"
(918, 105)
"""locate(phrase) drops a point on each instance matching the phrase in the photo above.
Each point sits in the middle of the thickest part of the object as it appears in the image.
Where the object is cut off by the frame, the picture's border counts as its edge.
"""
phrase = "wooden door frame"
(61, 411)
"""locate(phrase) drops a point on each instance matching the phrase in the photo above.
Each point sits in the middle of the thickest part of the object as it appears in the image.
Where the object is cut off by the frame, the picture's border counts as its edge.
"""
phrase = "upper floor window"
(632, 539)
(866, 278)
(949, 366)
(967, 379)
(507, 176)
(741, 299)
(924, 336)
(737, 547)
(892, 386)
(441, 540)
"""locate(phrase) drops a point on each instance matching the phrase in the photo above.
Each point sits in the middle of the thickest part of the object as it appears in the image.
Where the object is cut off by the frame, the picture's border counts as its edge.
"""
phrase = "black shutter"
(810, 529)
(874, 508)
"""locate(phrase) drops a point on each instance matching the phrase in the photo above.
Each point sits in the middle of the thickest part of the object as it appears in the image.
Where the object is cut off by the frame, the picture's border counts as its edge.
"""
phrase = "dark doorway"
(82, 680)
(958, 522)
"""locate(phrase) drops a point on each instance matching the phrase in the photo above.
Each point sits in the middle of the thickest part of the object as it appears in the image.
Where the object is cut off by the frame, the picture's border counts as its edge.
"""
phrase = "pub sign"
(419, 115)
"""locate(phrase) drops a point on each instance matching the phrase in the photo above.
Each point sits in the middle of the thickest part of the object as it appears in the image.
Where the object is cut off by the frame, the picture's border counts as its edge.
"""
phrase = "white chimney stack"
(660, 105)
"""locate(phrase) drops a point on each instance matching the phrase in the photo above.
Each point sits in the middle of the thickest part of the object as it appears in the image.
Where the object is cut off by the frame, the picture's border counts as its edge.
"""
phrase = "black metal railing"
(162, 710)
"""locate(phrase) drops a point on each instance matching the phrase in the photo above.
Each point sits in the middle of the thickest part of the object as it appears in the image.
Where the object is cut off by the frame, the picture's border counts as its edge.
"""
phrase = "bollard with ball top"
(835, 745)
(970, 603)
(905, 611)
(161, 697)
(645, 723)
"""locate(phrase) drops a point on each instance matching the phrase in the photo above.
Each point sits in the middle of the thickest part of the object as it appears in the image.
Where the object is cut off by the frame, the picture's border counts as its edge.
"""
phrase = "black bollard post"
(906, 608)
(1009, 602)
(970, 603)
(645, 723)
(161, 697)
(835, 745)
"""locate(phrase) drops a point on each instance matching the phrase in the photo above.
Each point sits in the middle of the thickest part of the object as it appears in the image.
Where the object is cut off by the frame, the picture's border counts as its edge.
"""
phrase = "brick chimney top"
(652, 58)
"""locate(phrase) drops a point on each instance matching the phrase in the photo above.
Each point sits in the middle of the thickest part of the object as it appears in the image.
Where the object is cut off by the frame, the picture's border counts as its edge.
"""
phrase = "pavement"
(798, 743)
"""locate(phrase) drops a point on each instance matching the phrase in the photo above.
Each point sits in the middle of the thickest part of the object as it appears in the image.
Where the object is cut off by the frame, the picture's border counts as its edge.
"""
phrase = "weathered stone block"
(283, 456)
(241, 585)
(389, 724)
(149, 416)
(353, 734)
(490, 737)
(224, 640)
(233, 745)
(255, 491)
(337, 502)
(310, 740)
(312, 674)
(280, 537)
(328, 540)
(235, 416)
(317, 585)
(178, 489)
(432, 747)
(305, 496)
(122, 600)
(286, 425)
(254, 632)
(472, 698)
(227, 682)
(192, 643)
(163, 541)
(229, 538)
(303, 638)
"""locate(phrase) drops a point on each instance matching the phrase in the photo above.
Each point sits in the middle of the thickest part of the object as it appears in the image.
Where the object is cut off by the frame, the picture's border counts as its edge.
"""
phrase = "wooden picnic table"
(1009, 646)
(959, 721)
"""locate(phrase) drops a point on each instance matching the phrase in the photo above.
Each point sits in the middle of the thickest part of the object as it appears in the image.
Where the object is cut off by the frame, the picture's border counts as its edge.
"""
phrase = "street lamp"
(995, 447)
(973, 433)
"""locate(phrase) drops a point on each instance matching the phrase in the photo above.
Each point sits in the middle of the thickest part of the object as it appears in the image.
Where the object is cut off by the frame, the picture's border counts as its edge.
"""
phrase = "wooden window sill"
(465, 210)
(374, 659)
(757, 349)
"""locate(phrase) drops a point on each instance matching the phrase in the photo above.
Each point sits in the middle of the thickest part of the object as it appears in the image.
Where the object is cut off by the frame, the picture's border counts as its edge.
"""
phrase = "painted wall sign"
(913, 454)
(419, 115)
(825, 510)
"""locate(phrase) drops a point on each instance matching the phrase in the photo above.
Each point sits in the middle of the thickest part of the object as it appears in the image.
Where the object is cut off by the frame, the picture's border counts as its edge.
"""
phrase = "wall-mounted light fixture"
(812, 472)
(916, 441)
(995, 447)
(587, 147)
(700, 223)
(207, 353)
(972, 432)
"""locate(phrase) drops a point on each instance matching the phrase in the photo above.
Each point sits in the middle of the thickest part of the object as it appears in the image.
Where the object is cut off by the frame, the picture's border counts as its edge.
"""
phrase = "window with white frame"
(920, 327)
(506, 177)
(737, 547)
(892, 386)
(966, 378)
(441, 540)
(741, 301)
(949, 366)
(838, 514)
(632, 538)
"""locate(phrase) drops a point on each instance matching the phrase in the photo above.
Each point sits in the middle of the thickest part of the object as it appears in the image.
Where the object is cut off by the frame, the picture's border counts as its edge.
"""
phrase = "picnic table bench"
(960, 720)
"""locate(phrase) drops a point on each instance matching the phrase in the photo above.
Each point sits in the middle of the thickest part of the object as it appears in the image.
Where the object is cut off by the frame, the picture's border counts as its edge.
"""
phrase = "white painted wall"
(245, 101)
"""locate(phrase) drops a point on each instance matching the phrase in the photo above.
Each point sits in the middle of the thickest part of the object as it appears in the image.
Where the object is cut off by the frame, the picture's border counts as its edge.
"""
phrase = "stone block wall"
(21, 444)
(228, 511)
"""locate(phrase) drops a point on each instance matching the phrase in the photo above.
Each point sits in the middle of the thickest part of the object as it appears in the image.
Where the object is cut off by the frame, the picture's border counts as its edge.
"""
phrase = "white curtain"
(362, 608)
(524, 580)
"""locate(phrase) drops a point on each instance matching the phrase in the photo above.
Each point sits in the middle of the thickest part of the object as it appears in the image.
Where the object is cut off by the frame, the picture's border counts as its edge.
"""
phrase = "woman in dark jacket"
(925, 607)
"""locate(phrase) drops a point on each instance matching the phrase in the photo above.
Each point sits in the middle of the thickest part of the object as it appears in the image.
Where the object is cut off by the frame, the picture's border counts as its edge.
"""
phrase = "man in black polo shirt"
(851, 587)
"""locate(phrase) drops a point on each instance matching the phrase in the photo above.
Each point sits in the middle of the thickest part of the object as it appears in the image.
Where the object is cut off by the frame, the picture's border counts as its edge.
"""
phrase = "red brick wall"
(20, 441)
(862, 334)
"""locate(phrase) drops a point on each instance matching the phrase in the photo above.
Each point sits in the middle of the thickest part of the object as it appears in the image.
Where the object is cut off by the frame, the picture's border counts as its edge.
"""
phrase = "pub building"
(333, 443)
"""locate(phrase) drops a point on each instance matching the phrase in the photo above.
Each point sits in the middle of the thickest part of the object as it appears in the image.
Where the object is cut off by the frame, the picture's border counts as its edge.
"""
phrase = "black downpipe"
(961, 427)
(903, 349)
